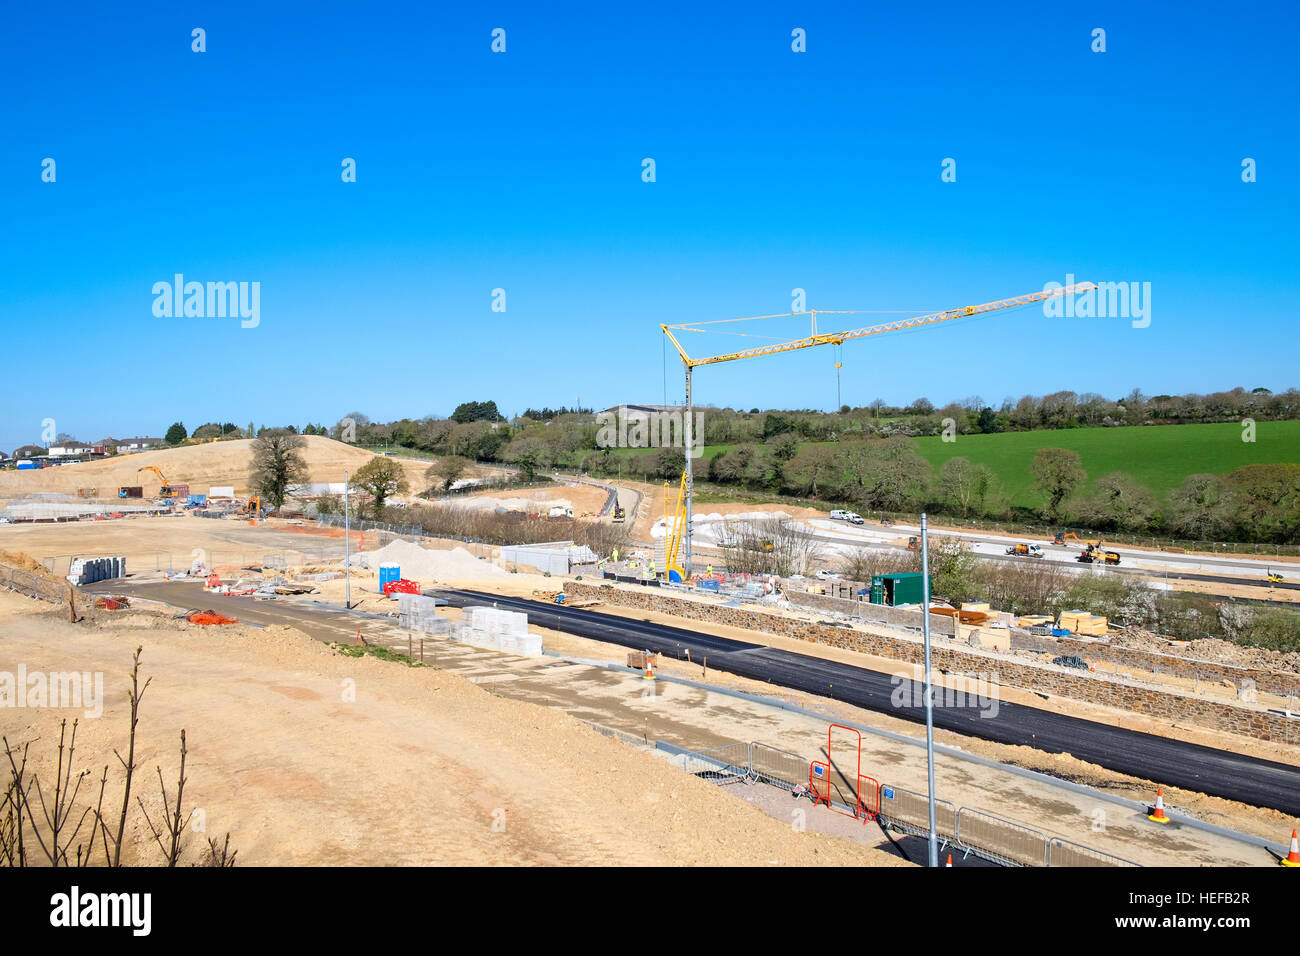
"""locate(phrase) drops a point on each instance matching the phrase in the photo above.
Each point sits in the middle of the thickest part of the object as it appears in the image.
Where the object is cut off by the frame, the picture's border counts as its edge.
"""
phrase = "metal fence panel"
(724, 764)
(911, 811)
(778, 767)
(1064, 853)
(1011, 842)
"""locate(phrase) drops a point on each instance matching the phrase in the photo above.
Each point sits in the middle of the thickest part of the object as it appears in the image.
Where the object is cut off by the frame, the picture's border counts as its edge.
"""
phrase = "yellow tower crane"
(690, 363)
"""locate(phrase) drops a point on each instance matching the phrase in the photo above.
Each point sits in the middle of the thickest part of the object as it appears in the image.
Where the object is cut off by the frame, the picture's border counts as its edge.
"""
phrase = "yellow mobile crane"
(814, 338)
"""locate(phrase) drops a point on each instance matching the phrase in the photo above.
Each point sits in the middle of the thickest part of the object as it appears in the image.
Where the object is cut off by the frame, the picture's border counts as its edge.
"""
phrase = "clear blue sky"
(775, 170)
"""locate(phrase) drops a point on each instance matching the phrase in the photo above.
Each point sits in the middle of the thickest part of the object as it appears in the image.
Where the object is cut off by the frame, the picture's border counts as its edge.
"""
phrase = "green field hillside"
(1159, 457)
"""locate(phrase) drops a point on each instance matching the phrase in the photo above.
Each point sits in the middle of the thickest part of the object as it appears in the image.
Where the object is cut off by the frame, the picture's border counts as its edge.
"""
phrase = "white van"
(839, 516)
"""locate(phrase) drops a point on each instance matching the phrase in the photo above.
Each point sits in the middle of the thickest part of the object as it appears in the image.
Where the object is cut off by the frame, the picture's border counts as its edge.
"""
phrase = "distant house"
(138, 444)
(69, 449)
(106, 446)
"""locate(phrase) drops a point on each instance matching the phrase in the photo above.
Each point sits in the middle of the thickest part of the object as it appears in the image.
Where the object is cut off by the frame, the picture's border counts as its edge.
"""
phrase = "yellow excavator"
(166, 490)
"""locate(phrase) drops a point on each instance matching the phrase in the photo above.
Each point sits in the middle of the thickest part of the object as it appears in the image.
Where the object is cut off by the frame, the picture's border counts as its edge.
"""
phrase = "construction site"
(655, 657)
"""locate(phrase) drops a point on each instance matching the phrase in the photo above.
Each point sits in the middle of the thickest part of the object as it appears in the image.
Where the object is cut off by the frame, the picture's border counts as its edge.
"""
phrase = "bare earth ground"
(199, 466)
(416, 770)
(185, 533)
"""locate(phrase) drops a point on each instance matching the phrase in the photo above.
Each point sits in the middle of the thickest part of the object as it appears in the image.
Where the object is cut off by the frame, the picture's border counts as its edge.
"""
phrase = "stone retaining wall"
(1039, 679)
(1270, 682)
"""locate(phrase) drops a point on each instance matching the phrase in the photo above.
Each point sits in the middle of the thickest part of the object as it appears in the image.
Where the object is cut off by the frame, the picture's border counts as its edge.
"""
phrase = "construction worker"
(652, 569)
(616, 555)
(709, 570)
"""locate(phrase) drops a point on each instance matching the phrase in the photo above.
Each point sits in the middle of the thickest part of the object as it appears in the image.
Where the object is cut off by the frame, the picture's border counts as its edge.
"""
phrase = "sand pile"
(422, 564)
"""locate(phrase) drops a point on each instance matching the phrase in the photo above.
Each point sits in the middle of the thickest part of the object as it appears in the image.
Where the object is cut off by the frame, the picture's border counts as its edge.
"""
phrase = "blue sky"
(775, 170)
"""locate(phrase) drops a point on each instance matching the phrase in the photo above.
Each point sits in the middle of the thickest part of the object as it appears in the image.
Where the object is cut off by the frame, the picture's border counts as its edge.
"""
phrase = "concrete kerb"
(1091, 792)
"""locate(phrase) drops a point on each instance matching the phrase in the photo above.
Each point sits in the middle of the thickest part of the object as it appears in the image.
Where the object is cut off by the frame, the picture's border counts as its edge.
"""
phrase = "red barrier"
(868, 798)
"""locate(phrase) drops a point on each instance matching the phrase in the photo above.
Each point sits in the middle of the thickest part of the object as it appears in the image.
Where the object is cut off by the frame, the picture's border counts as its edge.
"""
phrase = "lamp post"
(347, 551)
(929, 690)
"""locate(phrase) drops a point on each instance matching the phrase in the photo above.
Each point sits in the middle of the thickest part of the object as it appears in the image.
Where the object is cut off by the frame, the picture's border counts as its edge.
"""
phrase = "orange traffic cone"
(1158, 814)
(1293, 858)
(949, 863)
(649, 668)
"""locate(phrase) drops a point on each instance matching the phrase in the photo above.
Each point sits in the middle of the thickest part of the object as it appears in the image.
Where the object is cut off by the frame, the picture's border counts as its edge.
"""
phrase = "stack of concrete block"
(497, 630)
(418, 613)
(90, 570)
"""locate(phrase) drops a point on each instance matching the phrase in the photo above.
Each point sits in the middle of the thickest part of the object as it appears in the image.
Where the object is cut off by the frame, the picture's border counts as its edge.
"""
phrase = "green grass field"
(1159, 457)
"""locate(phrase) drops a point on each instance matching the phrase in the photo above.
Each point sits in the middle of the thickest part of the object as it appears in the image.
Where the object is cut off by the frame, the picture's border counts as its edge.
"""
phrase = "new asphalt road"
(1262, 783)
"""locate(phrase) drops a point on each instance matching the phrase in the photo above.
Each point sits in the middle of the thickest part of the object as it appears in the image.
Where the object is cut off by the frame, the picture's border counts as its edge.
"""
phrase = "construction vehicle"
(913, 543)
(673, 532)
(768, 545)
(253, 506)
(166, 490)
(1025, 550)
(620, 514)
(1093, 554)
(1274, 577)
(1063, 536)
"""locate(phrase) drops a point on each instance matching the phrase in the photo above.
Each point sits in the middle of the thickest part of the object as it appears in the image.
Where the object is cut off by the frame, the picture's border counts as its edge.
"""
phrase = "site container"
(901, 588)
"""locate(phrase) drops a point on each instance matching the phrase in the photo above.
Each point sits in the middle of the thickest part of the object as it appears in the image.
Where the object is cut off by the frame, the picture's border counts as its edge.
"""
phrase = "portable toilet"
(388, 572)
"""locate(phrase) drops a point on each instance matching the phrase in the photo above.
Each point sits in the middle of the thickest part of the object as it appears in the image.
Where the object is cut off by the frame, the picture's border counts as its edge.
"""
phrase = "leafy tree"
(1266, 501)
(1117, 501)
(890, 474)
(1199, 509)
(784, 446)
(176, 434)
(527, 453)
(382, 477)
(209, 430)
(276, 464)
(1057, 472)
(446, 471)
(475, 412)
(810, 469)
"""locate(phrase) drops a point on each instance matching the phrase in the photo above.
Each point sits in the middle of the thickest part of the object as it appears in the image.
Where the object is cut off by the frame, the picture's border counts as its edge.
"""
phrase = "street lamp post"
(929, 689)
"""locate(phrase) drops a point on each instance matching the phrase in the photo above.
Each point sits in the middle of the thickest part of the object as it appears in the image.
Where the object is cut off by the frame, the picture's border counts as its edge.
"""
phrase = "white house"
(69, 449)
(138, 444)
